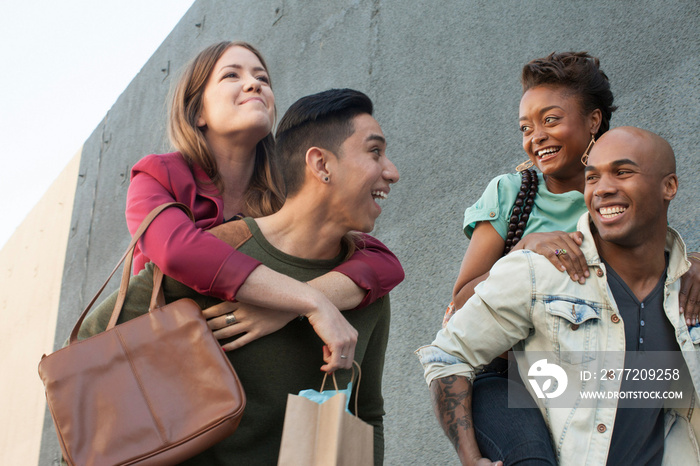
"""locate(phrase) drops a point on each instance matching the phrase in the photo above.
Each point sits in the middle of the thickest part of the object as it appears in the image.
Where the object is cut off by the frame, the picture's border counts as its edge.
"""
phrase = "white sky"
(63, 64)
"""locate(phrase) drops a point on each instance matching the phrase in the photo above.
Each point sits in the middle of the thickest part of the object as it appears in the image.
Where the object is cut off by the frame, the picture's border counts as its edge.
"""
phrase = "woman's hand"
(247, 319)
(339, 336)
(269, 289)
(562, 249)
(690, 291)
(329, 324)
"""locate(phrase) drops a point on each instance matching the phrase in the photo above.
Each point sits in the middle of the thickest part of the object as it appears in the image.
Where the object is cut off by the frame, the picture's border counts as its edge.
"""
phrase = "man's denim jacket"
(529, 305)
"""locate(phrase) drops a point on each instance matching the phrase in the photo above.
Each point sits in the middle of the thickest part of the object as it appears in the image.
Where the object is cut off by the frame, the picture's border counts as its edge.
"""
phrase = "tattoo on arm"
(452, 399)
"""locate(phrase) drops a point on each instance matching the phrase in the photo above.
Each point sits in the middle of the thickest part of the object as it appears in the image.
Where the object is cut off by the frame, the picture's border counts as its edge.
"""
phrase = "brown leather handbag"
(154, 390)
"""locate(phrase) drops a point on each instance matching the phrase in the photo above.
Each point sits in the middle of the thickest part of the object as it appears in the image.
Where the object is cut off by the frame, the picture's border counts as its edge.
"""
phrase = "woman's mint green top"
(551, 212)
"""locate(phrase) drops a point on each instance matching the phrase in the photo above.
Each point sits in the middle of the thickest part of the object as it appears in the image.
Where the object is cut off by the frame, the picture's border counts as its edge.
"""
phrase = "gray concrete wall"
(444, 78)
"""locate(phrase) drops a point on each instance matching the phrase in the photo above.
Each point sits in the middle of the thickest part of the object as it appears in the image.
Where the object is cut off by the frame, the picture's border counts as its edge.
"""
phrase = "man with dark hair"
(308, 123)
(339, 169)
(591, 334)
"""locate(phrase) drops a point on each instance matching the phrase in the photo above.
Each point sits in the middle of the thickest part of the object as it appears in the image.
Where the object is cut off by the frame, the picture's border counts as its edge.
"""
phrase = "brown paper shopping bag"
(324, 434)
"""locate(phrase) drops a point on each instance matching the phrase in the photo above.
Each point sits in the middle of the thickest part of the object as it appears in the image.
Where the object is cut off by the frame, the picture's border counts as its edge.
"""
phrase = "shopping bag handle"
(352, 379)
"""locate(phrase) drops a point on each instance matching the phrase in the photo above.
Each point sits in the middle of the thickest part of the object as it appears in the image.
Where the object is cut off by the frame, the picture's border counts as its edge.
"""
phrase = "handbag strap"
(126, 274)
(352, 379)
(157, 295)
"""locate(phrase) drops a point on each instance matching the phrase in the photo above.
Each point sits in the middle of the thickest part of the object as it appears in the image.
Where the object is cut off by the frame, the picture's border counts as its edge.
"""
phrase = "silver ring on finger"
(230, 319)
(342, 356)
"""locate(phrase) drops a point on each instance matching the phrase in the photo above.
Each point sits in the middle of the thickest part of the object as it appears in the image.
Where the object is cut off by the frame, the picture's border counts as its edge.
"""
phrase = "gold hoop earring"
(584, 157)
(524, 166)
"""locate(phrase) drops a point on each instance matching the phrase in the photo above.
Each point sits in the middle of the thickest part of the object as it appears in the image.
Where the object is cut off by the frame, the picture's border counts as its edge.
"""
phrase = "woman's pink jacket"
(186, 252)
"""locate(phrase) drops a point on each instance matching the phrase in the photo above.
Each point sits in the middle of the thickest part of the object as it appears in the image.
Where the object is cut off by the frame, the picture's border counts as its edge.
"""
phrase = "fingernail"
(575, 277)
(687, 322)
(586, 274)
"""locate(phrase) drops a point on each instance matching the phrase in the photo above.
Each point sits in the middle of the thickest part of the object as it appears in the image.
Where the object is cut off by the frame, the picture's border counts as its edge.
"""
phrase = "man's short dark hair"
(321, 120)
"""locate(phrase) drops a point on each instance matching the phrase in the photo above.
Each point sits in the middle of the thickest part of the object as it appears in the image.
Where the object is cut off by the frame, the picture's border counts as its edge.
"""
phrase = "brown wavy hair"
(265, 193)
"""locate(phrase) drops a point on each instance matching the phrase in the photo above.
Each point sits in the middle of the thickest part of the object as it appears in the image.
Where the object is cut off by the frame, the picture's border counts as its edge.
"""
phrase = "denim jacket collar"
(678, 261)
